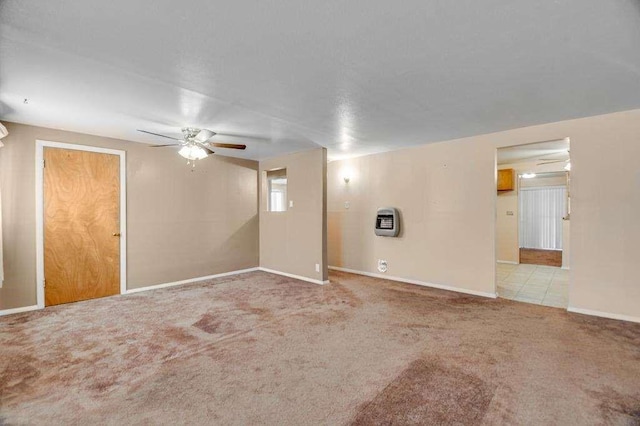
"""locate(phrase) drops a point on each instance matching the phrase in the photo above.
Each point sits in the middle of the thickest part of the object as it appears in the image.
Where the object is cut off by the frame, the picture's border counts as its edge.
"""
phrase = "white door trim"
(40, 145)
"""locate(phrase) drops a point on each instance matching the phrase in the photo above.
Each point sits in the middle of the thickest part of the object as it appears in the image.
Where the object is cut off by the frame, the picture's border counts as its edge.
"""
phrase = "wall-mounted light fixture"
(346, 175)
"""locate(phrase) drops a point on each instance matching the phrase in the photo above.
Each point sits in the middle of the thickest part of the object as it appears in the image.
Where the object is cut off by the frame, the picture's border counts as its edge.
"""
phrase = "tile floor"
(542, 285)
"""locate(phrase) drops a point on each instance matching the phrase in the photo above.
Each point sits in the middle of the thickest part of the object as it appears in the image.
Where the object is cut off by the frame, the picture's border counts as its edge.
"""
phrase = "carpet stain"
(212, 324)
(428, 392)
(19, 319)
(103, 385)
(617, 408)
(408, 299)
(474, 301)
(178, 335)
(18, 376)
(264, 314)
(413, 325)
(426, 301)
(343, 295)
(620, 331)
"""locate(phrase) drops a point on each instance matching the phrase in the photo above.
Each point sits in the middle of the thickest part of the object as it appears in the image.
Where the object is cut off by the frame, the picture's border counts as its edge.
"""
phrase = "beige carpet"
(263, 349)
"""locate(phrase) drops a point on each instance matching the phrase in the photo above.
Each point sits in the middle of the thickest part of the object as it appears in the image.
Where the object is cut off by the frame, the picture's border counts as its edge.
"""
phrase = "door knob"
(116, 234)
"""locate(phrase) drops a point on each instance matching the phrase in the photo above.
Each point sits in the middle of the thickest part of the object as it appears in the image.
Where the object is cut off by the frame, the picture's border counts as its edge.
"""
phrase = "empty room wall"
(446, 194)
(181, 223)
(446, 209)
(294, 241)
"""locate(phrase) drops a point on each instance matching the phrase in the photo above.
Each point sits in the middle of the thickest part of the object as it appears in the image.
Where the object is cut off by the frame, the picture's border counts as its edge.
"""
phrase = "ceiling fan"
(567, 167)
(195, 144)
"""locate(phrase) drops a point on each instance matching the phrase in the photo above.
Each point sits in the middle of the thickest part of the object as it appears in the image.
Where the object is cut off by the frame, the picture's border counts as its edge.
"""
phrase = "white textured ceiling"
(355, 76)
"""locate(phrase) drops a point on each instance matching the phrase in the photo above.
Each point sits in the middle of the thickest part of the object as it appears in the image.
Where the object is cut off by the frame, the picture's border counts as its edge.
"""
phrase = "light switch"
(347, 204)
(290, 203)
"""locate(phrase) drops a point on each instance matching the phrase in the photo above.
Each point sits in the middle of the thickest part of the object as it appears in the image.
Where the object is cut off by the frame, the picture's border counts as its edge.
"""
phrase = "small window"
(277, 184)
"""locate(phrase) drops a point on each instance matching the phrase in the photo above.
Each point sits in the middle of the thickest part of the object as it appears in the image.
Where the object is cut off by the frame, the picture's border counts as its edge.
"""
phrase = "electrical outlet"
(317, 267)
(347, 204)
(382, 265)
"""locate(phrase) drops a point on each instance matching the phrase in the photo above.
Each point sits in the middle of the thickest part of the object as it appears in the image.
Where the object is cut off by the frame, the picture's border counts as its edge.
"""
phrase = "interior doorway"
(533, 222)
(81, 214)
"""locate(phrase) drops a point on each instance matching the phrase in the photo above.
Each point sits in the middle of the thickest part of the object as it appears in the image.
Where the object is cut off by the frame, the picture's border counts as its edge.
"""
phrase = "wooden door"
(81, 225)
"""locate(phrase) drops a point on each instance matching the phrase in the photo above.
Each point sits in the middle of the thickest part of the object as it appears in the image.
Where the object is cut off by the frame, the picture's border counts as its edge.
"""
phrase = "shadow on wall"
(400, 224)
(5, 109)
(334, 238)
(237, 242)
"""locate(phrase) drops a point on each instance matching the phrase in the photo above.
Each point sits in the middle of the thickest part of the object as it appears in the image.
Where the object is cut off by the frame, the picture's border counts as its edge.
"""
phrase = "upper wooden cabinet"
(505, 180)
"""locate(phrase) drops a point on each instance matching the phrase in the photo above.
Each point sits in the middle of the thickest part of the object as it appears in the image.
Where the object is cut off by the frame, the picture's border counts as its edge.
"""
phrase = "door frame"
(495, 216)
(40, 145)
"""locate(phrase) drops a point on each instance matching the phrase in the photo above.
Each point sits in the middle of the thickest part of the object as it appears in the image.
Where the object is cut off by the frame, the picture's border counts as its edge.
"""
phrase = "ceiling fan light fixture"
(3, 132)
(192, 152)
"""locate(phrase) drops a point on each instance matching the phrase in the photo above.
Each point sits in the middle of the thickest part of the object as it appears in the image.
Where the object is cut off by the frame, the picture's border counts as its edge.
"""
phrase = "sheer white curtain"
(541, 212)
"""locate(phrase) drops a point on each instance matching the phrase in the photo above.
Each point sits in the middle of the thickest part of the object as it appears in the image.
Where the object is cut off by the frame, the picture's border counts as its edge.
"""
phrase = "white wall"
(446, 193)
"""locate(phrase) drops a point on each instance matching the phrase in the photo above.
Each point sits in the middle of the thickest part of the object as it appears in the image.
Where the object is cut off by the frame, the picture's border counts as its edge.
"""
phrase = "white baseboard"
(416, 282)
(603, 314)
(18, 310)
(297, 277)
(190, 280)
(508, 262)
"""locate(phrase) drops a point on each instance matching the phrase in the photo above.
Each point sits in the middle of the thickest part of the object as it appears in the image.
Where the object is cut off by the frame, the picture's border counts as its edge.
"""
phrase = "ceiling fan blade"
(551, 162)
(227, 145)
(162, 146)
(234, 135)
(209, 152)
(157, 134)
(204, 135)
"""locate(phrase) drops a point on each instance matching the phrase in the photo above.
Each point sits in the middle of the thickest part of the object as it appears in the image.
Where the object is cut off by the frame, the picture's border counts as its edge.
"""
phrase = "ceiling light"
(528, 175)
(568, 167)
(192, 152)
